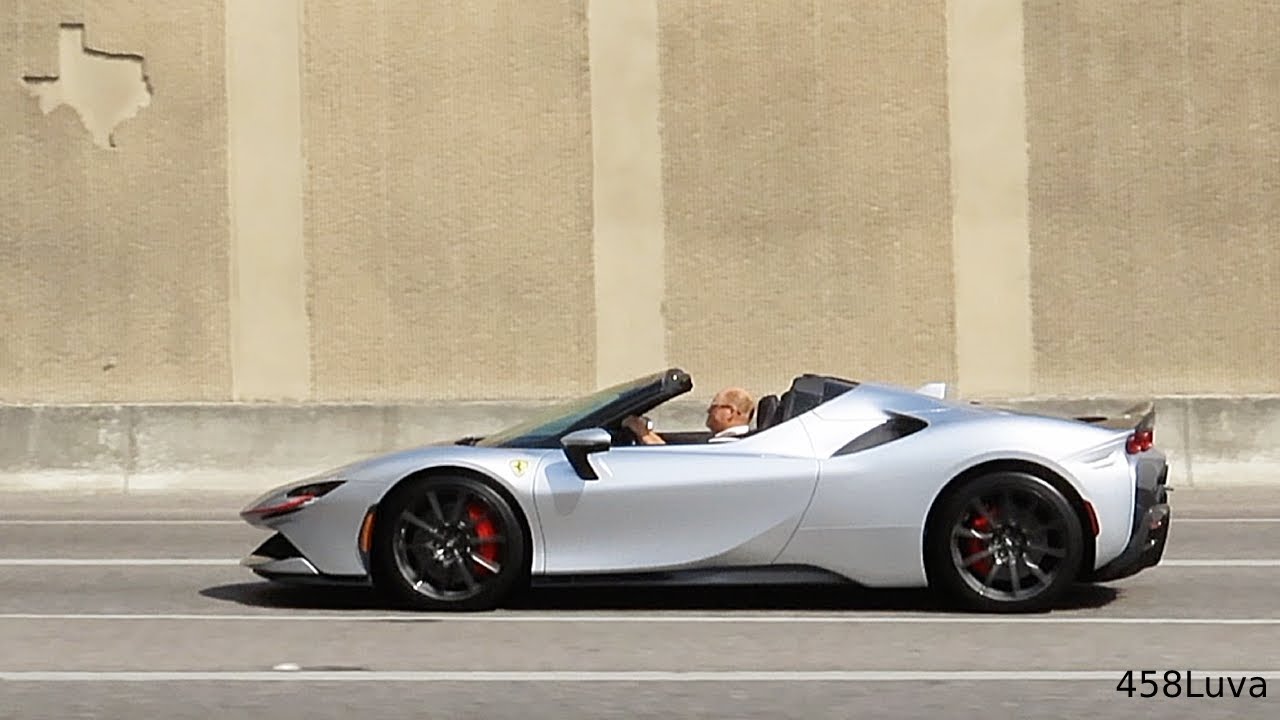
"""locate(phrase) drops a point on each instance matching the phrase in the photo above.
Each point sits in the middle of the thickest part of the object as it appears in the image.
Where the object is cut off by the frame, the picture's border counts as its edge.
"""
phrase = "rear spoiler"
(1138, 421)
(1139, 417)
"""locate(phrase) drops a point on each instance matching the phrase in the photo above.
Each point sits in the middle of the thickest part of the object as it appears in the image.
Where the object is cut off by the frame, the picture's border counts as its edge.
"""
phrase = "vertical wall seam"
(270, 336)
(304, 187)
(991, 243)
(627, 203)
(229, 50)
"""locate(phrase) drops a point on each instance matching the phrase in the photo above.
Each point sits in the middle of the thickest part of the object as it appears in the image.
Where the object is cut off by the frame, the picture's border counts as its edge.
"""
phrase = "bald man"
(728, 418)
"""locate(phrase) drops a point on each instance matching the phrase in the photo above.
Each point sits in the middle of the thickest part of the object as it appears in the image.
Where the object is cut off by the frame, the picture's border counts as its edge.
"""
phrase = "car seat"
(766, 412)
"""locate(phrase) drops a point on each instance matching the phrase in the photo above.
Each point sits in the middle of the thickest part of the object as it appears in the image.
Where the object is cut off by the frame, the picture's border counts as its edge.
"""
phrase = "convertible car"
(837, 481)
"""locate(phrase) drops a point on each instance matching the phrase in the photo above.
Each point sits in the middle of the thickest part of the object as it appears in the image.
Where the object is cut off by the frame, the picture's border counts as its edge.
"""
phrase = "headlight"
(295, 499)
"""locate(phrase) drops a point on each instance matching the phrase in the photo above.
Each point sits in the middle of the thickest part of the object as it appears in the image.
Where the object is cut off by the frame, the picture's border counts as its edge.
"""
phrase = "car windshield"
(557, 419)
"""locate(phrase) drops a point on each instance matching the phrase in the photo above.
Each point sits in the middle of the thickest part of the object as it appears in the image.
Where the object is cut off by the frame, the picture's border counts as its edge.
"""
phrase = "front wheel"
(447, 543)
(1006, 542)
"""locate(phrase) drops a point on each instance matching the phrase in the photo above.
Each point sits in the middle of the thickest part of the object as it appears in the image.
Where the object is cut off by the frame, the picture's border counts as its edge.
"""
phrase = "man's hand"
(637, 425)
(642, 428)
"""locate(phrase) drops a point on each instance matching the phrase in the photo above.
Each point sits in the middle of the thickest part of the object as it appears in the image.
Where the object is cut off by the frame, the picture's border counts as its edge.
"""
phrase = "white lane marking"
(114, 562)
(201, 521)
(178, 562)
(223, 562)
(1261, 562)
(568, 676)
(125, 562)
(1233, 521)
(122, 522)
(227, 521)
(196, 521)
(850, 619)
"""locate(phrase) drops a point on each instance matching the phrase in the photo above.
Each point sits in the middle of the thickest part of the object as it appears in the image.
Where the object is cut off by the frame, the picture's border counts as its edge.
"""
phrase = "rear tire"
(447, 542)
(987, 528)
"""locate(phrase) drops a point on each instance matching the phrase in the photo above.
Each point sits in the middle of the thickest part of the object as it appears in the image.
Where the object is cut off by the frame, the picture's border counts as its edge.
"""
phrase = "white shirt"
(730, 433)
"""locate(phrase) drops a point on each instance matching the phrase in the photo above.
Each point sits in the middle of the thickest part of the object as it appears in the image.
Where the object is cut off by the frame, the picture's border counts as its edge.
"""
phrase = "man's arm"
(642, 428)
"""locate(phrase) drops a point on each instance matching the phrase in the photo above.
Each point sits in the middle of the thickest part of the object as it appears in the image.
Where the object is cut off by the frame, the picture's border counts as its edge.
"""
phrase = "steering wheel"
(623, 437)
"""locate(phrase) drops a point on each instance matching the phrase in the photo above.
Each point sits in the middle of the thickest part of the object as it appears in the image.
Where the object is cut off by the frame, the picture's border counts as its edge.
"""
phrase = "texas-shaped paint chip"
(104, 89)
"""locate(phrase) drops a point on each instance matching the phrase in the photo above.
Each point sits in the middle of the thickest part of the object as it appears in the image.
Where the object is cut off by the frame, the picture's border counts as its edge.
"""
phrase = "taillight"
(1140, 441)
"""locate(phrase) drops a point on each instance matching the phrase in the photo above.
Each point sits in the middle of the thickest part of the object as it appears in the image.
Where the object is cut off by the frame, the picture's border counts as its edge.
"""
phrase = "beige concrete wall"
(113, 282)
(1155, 165)
(440, 200)
(448, 212)
(806, 187)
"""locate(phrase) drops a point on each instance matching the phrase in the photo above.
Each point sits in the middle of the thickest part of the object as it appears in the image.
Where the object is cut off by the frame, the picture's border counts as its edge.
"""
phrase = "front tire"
(1005, 542)
(447, 542)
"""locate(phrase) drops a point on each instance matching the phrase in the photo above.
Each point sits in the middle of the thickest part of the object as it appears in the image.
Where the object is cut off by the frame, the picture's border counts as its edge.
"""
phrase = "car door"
(667, 506)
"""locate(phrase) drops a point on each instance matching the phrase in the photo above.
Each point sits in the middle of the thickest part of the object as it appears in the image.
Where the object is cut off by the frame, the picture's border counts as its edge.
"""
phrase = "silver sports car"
(838, 482)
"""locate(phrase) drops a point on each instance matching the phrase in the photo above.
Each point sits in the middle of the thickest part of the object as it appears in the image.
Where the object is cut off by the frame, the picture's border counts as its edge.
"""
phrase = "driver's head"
(731, 406)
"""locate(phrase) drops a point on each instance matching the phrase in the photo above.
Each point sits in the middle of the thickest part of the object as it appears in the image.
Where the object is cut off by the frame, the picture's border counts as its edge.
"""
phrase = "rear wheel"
(448, 543)
(1006, 542)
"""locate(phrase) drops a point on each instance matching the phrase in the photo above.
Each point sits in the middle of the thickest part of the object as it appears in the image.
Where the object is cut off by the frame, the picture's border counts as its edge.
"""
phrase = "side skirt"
(765, 575)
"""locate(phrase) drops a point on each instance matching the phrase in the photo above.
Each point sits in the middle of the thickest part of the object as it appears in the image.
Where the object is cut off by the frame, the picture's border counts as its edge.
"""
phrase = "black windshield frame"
(603, 408)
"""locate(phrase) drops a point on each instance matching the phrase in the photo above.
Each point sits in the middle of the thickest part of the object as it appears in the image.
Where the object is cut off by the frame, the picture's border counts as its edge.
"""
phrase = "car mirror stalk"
(580, 444)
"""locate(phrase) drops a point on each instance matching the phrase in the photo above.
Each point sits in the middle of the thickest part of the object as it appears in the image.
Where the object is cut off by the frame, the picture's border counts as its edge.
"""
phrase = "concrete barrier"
(1211, 441)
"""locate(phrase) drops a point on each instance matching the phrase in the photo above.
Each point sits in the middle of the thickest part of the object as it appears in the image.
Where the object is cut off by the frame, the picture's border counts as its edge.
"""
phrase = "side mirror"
(581, 443)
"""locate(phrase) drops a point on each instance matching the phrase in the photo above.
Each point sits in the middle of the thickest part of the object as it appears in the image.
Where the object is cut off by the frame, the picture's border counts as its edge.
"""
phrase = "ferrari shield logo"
(518, 466)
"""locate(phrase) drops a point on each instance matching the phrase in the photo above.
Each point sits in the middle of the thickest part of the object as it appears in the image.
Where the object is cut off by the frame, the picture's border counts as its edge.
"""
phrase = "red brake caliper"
(969, 546)
(485, 530)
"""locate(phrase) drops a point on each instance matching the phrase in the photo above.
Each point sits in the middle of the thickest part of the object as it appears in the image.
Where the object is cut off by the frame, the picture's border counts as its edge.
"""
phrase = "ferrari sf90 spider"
(837, 482)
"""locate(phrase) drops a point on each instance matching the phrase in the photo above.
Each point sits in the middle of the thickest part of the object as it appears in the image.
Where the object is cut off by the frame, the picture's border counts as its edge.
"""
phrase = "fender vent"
(895, 428)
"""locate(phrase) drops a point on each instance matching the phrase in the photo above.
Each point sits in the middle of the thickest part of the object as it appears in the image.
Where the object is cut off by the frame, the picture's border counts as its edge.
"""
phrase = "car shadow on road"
(794, 598)
(263, 594)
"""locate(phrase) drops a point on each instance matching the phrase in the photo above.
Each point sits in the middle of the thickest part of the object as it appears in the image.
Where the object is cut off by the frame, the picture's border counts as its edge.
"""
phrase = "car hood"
(396, 464)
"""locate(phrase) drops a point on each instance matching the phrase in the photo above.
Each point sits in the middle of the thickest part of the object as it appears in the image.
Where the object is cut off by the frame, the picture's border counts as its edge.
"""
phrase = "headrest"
(766, 411)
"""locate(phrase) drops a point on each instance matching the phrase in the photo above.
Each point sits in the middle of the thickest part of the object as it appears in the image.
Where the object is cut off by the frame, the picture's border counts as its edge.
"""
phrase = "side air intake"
(895, 428)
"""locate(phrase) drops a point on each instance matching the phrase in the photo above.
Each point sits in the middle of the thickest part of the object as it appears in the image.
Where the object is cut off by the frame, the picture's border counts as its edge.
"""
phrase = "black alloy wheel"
(448, 543)
(1006, 542)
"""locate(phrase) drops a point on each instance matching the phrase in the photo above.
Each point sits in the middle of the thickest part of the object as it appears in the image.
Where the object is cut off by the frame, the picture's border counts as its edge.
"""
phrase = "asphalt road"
(134, 607)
